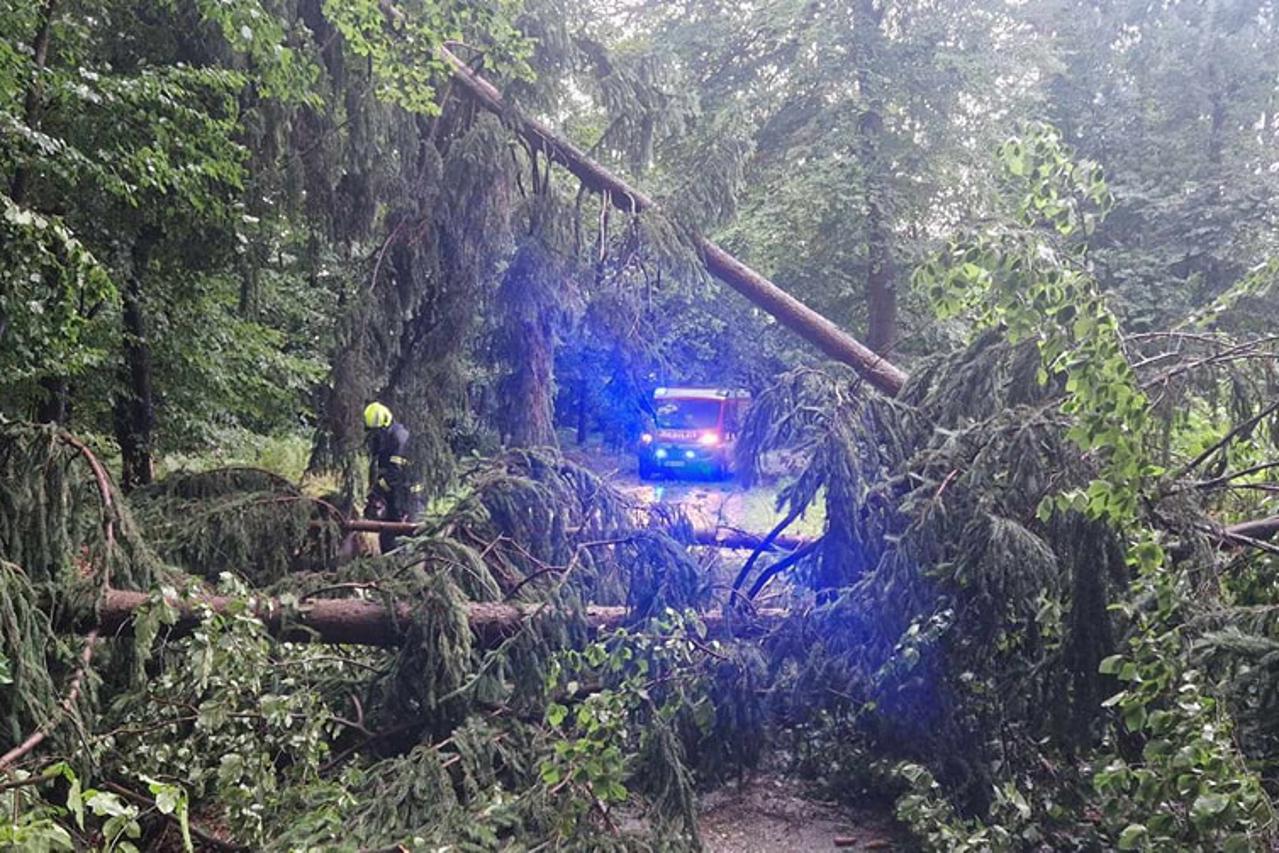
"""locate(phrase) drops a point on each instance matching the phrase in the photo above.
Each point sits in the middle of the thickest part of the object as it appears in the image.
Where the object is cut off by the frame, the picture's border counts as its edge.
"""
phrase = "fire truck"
(694, 431)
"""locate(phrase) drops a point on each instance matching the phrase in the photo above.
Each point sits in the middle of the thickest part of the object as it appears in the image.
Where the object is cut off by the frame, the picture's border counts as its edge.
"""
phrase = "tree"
(136, 118)
(861, 126)
(1177, 104)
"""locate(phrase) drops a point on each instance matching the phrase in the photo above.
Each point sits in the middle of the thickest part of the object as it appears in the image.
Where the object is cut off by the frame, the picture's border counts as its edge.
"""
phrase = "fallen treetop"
(717, 537)
(789, 311)
(370, 623)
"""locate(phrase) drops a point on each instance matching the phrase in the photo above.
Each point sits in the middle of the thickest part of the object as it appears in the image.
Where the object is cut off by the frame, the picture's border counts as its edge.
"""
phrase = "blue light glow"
(660, 453)
(690, 454)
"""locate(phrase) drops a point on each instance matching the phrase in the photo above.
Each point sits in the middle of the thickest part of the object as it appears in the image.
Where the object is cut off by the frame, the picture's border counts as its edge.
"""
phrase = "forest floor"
(777, 814)
(707, 502)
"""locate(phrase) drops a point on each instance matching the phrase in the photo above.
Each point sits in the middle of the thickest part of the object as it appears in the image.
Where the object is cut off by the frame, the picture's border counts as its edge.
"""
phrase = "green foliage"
(241, 519)
(623, 698)
(49, 276)
(1166, 100)
(951, 603)
(274, 186)
(138, 142)
(402, 47)
(226, 705)
(933, 821)
(1013, 276)
(260, 32)
(1189, 754)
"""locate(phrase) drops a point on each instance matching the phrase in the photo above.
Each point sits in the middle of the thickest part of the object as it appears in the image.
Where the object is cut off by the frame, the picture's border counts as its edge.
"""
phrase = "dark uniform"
(392, 496)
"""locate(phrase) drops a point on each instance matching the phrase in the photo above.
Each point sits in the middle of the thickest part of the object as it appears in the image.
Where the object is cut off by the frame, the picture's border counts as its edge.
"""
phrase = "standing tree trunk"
(134, 407)
(55, 407)
(529, 304)
(881, 284)
(583, 412)
(881, 278)
(35, 94)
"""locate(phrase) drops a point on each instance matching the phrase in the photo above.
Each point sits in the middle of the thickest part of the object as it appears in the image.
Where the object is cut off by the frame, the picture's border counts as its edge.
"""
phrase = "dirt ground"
(774, 814)
(708, 503)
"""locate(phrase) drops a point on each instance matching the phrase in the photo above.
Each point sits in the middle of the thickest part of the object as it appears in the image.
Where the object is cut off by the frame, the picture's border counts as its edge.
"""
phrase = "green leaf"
(1132, 836)
(75, 803)
(555, 714)
(1110, 665)
(1135, 718)
(1115, 700)
(167, 800)
(104, 803)
(1207, 806)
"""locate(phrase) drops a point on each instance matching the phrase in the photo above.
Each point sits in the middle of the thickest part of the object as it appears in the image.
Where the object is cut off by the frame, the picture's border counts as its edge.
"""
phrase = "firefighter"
(392, 497)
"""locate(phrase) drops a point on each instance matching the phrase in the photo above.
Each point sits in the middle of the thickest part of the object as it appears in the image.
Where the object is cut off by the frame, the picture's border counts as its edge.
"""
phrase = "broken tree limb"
(366, 623)
(789, 311)
(718, 537)
(1257, 528)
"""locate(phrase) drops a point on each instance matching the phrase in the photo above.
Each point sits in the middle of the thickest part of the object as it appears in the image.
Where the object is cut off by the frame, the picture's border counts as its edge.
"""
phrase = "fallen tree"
(1258, 529)
(789, 311)
(729, 538)
(369, 623)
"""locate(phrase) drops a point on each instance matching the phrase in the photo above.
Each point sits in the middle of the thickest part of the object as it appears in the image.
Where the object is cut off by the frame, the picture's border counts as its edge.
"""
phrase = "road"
(707, 503)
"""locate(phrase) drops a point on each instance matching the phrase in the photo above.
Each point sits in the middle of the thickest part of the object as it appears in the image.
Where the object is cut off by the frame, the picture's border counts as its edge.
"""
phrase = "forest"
(332, 333)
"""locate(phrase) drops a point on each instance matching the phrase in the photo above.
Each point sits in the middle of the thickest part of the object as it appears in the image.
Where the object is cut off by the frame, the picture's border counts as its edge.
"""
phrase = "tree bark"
(528, 400)
(55, 407)
(359, 622)
(35, 93)
(583, 418)
(1261, 528)
(529, 305)
(789, 311)
(134, 408)
(881, 285)
(719, 537)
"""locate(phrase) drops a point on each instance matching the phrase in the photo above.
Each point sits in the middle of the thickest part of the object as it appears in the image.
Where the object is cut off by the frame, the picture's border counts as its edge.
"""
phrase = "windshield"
(688, 414)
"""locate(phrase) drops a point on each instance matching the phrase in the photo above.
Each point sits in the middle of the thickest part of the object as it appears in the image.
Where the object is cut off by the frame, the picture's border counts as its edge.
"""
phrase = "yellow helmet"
(377, 416)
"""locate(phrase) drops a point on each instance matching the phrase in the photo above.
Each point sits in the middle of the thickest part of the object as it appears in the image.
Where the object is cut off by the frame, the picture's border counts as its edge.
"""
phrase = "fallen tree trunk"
(1257, 528)
(789, 311)
(367, 623)
(717, 537)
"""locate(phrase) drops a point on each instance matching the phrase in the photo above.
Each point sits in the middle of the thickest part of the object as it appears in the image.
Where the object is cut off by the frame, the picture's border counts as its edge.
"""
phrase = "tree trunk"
(716, 537)
(583, 421)
(55, 407)
(881, 285)
(529, 304)
(789, 311)
(134, 408)
(365, 623)
(35, 94)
